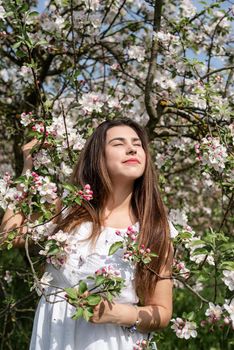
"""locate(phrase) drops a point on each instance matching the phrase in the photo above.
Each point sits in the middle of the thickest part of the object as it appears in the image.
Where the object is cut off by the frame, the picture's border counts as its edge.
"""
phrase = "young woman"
(116, 163)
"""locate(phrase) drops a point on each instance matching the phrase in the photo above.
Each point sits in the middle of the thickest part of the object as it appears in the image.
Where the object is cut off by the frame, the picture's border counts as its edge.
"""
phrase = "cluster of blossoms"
(42, 158)
(228, 279)
(184, 328)
(210, 152)
(133, 252)
(108, 272)
(38, 185)
(86, 193)
(217, 313)
(214, 313)
(199, 258)
(39, 232)
(166, 38)
(9, 196)
(57, 248)
(106, 283)
(136, 52)
(27, 118)
(46, 189)
(43, 284)
(96, 101)
(179, 268)
(56, 129)
(141, 344)
(178, 217)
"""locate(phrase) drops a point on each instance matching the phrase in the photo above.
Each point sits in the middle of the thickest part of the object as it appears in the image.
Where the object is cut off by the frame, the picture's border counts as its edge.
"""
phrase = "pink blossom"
(183, 328)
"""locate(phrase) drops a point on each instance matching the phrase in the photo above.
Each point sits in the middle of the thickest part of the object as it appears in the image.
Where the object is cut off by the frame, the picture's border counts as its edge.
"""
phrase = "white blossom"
(26, 73)
(199, 258)
(187, 7)
(43, 283)
(165, 81)
(42, 231)
(8, 277)
(198, 286)
(178, 217)
(9, 196)
(41, 158)
(229, 307)
(26, 118)
(66, 169)
(211, 152)
(165, 37)
(214, 312)
(93, 101)
(136, 52)
(183, 328)
(59, 236)
(51, 25)
(92, 5)
(47, 189)
(228, 279)
(2, 12)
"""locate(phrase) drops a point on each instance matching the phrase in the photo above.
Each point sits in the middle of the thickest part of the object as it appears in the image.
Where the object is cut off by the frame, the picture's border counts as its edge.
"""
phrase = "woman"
(116, 163)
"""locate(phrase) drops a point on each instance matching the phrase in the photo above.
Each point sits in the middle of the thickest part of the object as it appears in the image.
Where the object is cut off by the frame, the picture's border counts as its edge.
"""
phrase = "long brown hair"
(146, 202)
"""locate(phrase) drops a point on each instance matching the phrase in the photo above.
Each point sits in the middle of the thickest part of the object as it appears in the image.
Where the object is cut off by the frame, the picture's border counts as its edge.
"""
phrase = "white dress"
(53, 327)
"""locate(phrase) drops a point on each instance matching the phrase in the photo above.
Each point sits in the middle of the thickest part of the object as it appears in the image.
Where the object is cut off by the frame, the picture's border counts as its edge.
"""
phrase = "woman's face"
(125, 156)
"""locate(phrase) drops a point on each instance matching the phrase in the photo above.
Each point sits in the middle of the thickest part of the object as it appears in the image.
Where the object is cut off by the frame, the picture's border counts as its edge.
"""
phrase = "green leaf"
(227, 246)
(114, 247)
(82, 287)
(99, 280)
(146, 260)
(78, 200)
(78, 314)
(87, 313)
(153, 254)
(93, 299)
(71, 292)
(200, 251)
(196, 242)
(69, 187)
(191, 316)
(53, 251)
(16, 45)
(11, 235)
(109, 296)
(33, 13)
(184, 235)
(227, 265)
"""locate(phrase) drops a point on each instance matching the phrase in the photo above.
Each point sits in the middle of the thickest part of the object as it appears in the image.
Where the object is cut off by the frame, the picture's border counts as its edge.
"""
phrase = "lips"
(132, 161)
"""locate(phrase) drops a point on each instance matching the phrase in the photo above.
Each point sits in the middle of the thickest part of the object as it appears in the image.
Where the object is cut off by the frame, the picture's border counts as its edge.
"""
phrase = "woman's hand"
(27, 154)
(121, 314)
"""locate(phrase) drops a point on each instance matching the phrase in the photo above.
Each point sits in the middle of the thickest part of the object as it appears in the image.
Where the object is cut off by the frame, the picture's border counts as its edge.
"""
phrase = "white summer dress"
(53, 327)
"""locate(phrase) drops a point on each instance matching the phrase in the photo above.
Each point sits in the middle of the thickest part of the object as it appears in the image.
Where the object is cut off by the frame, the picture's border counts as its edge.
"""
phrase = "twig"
(150, 108)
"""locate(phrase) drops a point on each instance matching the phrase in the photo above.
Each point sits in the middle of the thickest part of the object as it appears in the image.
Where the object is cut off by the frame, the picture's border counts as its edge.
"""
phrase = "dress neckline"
(121, 229)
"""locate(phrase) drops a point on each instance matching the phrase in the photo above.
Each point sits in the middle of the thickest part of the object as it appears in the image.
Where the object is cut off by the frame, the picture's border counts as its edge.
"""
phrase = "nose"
(131, 150)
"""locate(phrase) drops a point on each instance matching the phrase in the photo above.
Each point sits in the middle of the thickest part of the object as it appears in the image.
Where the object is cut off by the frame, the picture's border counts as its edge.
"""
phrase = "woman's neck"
(118, 207)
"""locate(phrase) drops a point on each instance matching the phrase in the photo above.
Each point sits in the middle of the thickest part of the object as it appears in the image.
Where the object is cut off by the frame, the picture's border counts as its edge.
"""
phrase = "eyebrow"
(123, 139)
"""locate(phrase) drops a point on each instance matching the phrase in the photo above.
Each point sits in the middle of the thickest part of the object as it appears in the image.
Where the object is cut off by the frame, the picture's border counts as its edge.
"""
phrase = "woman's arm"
(11, 220)
(155, 315)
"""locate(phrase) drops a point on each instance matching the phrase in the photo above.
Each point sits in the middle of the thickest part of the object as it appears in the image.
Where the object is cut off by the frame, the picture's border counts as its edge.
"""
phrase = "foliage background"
(168, 65)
